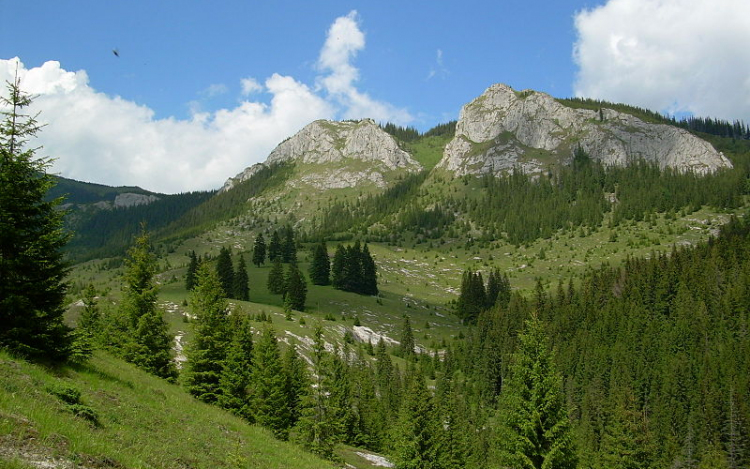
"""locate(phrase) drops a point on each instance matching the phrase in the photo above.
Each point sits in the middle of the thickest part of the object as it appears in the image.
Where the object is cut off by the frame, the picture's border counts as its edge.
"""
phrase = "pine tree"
(337, 267)
(274, 248)
(149, 344)
(90, 320)
(207, 351)
(536, 431)
(234, 383)
(276, 281)
(297, 383)
(407, 340)
(240, 288)
(369, 273)
(296, 289)
(289, 247)
(259, 250)
(191, 270)
(416, 442)
(32, 270)
(225, 271)
(268, 386)
(320, 268)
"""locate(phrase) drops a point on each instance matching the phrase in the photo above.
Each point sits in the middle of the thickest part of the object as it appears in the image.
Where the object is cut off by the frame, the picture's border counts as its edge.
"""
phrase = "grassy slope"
(144, 422)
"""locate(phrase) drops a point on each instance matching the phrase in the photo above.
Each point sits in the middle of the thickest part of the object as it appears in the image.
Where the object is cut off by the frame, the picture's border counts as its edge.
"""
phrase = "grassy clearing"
(141, 422)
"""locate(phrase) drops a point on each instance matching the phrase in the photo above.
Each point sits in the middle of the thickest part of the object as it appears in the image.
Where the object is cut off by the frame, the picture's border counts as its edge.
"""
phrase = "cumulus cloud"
(250, 85)
(106, 139)
(674, 56)
(344, 41)
(99, 138)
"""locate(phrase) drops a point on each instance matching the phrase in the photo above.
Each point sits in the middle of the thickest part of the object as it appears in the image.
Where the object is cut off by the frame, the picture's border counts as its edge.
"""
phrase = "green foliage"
(289, 246)
(269, 397)
(235, 378)
(146, 342)
(191, 271)
(320, 268)
(259, 250)
(354, 270)
(225, 271)
(415, 445)
(276, 281)
(241, 288)
(275, 249)
(32, 271)
(207, 351)
(535, 431)
(406, 347)
(296, 288)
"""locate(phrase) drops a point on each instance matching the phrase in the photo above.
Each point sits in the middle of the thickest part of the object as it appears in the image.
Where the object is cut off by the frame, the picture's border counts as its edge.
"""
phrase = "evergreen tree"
(149, 344)
(225, 271)
(234, 383)
(240, 288)
(259, 250)
(32, 271)
(416, 433)
(289, 247)
(275, 248)
(191, 270)
(406, 348)
(369, 273)
(207, 351)
(536, 431)
(353, 269)
(472, 297)
(337, 267)
(319, 429)
(296, 289)
(269, 396)
(297, 383)
(276, 282)
(320, 268)
(90, 320)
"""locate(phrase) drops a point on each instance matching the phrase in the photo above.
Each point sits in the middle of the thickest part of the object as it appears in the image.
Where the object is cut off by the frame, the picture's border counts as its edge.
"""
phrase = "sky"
(175, 96)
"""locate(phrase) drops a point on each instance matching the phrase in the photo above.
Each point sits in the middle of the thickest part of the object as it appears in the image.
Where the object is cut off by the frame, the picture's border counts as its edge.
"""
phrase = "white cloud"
(344, 40)
(676, 55)
(250, 85)
(439, 68)
(106, 139)
(216, 89)
(99, 138)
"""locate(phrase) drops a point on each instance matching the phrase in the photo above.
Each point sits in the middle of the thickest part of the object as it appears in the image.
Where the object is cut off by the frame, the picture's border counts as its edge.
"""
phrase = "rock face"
(333, 153)
(505, 129)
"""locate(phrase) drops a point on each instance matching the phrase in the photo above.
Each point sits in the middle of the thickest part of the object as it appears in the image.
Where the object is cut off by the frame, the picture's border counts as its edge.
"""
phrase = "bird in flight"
(116, 52)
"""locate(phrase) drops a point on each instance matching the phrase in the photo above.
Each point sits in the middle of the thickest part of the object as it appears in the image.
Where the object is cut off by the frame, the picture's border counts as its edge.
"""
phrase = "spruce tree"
(207, 351)
(259, 250)
(149, 344)
(289, 247)
(241, 288)
(320, 268)
(337, 267)
(369, 273)
(191, 270)
(276, 281)
(234, 383)
(297, 383)
(32, 270)
(407, 340)
(90, 320)
(416, 433)
(275, 248)
(535, 431)
(268, 386)
(296, 289)
(225, 271)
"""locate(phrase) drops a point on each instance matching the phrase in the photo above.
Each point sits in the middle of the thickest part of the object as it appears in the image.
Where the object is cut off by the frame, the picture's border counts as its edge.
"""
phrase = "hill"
(108, 414)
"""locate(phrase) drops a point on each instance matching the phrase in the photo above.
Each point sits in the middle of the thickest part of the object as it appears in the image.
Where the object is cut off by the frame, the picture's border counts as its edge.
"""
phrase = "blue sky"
(201, 90)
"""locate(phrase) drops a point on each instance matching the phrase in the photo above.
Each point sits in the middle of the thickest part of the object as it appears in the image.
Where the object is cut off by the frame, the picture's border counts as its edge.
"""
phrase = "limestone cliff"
(337, 155)
(503, 129)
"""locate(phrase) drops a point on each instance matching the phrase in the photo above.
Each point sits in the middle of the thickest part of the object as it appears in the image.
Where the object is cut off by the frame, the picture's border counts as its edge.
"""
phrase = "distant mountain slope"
(504, 129)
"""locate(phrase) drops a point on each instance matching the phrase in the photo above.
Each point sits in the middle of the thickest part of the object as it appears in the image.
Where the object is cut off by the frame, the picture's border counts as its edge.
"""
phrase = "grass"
(143, 422)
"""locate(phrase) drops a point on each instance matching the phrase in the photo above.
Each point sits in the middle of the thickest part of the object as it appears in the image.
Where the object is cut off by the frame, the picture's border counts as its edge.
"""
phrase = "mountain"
(336, 155)
(503, 129)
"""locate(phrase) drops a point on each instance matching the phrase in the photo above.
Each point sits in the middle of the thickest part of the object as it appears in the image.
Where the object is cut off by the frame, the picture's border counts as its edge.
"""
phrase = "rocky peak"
(503, 129)
(331, 147)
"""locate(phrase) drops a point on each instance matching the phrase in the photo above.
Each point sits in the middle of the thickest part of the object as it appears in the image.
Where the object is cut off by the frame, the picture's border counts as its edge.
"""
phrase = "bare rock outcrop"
(504, 129)
(333, 152)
